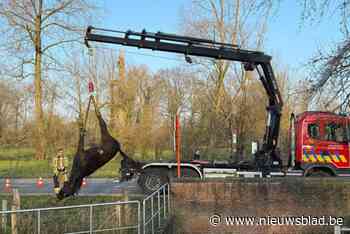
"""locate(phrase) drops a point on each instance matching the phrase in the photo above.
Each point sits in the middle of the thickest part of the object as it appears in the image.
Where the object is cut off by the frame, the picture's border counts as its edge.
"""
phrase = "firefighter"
(60, 163)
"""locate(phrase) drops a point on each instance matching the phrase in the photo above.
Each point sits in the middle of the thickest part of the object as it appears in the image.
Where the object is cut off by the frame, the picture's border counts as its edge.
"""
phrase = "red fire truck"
(319, 143)
(319, 140)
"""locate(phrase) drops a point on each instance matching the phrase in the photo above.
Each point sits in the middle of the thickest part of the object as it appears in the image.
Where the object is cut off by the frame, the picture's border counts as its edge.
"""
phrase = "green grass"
(73, 219)
(26, 153)
(149, 155)
(20, 162)
(16, 153)
(25, 168)
(43, 168)
(110, 170)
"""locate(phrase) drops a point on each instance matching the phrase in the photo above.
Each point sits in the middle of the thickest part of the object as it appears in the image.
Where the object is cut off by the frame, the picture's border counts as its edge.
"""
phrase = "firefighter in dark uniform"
(60, 164)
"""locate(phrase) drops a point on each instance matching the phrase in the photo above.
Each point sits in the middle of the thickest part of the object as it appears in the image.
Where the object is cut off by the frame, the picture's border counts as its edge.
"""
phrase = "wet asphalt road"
(101, 186)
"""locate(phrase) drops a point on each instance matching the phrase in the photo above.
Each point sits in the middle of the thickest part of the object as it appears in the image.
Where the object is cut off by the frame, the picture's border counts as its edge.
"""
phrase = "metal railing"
(162, 211)
(70, 219)
(93, 218)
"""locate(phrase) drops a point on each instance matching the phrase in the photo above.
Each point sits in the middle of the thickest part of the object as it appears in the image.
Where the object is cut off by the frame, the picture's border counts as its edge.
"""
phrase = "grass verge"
(72, 219)
(43, 168)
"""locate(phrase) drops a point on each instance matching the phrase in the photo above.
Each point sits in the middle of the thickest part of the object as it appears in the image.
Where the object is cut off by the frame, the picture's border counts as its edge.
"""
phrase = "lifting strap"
(91, 99)
(87, 112)
(91, 89)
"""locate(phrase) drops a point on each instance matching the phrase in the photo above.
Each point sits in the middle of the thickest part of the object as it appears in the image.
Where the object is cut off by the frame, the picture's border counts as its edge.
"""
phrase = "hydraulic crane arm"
(209, 49)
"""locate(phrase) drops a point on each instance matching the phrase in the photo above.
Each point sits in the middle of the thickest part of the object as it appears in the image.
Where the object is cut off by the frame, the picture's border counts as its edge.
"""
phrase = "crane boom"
(210, 49)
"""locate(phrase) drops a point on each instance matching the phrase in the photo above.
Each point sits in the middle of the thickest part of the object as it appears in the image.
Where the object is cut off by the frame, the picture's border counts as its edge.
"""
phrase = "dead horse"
(88, 161)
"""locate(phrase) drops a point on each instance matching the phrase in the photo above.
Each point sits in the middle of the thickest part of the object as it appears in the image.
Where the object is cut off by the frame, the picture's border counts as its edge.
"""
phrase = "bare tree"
(330, 69)
(6, 97)
(13, 112)
(242, 23)
(40, 27)
(114, 88)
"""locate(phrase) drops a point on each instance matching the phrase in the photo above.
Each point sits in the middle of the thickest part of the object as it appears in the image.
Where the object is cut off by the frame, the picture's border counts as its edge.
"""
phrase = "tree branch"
(65, 27)
(8, 14)
(30, 33)
(57, 10)
(57, 44)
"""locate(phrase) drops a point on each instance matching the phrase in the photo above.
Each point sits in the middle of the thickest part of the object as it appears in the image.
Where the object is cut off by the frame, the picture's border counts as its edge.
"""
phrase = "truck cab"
(320, 144)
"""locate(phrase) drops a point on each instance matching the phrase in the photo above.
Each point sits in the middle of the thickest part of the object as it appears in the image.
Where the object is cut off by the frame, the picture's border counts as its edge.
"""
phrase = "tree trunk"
(39, 118)
(113, 109)
(51, 130)
(17, 116)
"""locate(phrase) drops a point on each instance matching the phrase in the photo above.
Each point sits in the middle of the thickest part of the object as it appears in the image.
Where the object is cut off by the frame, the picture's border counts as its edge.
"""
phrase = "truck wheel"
(150, 181)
